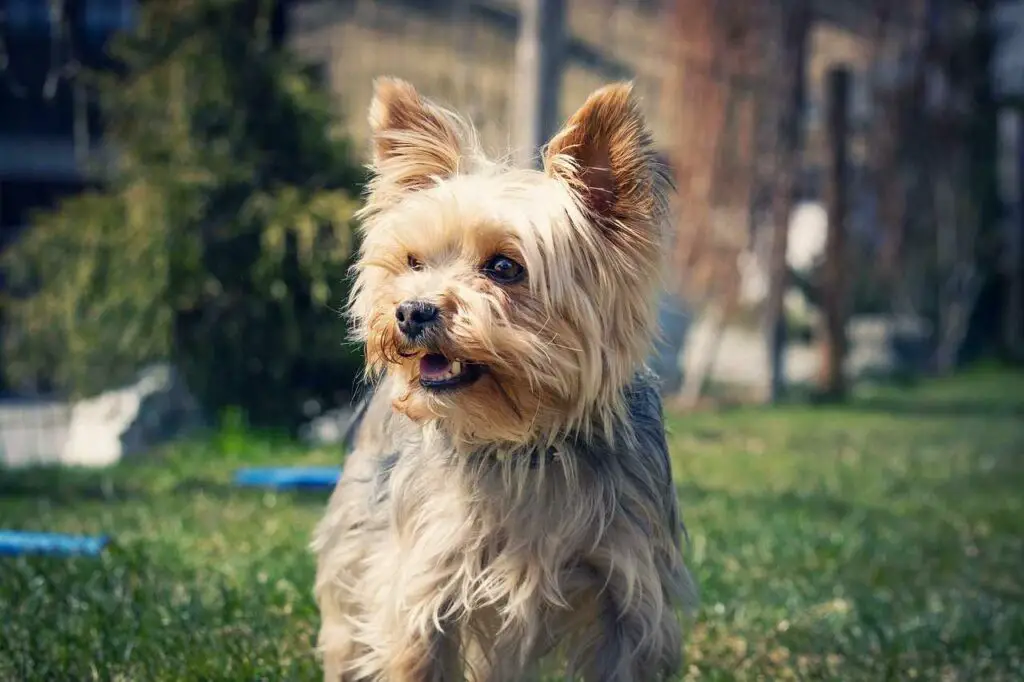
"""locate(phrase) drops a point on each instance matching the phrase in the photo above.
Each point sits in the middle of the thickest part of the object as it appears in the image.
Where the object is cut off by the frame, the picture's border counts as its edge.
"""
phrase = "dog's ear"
(605, 154)
(414, 141)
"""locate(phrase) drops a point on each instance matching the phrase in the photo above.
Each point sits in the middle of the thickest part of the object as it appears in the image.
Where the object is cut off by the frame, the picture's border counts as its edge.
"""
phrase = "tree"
(713, 109)
(938, 174)
(831, 380)
(221, 239)
(792, 47)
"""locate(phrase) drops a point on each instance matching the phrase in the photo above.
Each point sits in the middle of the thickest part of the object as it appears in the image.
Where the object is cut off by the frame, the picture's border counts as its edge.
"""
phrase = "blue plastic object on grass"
(288, 477)
(15, 542)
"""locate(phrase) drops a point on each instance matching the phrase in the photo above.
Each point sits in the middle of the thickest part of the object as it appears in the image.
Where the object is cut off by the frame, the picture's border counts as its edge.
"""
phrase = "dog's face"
(508, 304)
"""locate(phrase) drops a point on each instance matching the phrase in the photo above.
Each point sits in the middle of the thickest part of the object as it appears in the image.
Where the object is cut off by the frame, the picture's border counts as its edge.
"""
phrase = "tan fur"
(531, 513)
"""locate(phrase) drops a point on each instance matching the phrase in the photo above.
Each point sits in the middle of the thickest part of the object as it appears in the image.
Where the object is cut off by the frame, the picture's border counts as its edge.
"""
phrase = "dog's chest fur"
(516, 555)
(526, 531)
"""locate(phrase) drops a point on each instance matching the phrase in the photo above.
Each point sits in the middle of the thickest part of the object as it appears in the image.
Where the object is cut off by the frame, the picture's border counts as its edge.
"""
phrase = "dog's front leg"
(636, 644)
(430, 658)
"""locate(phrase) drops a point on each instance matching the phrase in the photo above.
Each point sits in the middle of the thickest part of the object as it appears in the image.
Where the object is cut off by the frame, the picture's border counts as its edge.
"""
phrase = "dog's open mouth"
(438, 373)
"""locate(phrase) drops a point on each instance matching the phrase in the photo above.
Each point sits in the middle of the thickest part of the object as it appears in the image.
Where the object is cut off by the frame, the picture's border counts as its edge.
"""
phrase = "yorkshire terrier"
(508, 503)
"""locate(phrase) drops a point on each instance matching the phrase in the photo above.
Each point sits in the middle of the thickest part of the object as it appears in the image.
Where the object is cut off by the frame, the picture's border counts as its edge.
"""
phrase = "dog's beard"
(477, 390)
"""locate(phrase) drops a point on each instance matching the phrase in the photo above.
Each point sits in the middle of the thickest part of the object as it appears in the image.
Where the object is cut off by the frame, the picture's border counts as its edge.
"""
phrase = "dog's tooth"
(456, 367)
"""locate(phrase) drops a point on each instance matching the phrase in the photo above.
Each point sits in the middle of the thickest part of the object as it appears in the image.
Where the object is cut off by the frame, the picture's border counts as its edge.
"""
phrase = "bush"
(222, 238)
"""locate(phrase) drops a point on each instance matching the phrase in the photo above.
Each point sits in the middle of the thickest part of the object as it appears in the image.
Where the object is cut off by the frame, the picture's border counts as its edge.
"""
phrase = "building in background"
(49, 125)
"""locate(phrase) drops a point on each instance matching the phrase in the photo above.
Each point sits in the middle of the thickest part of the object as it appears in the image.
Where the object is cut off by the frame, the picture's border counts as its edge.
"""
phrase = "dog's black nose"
(415, 316)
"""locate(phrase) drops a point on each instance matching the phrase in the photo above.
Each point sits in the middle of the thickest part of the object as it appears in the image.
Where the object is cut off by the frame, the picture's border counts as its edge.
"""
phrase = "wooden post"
(796, 25)
(698, 94)
(831, 380)
(1013, 199)
(1017, 297)
(540, 53)
(1016, 321)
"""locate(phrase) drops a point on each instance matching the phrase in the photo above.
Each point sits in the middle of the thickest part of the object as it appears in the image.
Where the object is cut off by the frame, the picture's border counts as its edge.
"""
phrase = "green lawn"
(883, 540)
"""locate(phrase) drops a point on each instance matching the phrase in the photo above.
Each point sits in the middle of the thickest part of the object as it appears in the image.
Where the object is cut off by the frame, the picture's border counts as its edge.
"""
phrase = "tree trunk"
(1013, 309)
(796, 25)
(831, 380)
(695, 107)
(540, 51)
(695, 380)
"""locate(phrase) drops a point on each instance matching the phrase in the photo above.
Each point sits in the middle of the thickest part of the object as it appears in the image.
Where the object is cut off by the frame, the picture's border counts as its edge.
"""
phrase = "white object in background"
(808, 230)
(124, 421)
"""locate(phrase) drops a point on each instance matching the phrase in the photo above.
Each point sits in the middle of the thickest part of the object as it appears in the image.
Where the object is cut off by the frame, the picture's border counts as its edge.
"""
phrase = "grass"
(883, 540)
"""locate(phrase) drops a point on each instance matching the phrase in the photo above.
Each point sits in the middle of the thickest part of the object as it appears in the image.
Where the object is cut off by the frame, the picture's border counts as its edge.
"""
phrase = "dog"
(507, 503)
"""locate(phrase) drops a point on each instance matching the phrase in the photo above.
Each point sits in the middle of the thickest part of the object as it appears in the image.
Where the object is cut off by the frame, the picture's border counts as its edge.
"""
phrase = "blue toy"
(288, 477)
(16, 542)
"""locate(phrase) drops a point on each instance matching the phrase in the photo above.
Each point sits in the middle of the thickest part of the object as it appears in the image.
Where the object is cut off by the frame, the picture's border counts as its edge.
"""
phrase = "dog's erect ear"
(604, 152)
(414, 141)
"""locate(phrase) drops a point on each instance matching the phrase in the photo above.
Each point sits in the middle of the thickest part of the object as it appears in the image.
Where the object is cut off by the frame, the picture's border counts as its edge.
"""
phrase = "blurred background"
(178, 181)
(177, 186)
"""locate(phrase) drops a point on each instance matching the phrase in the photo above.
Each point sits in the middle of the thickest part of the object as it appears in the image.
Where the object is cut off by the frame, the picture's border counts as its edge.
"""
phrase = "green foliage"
(96, 290)
(875, 541)
(222, 239)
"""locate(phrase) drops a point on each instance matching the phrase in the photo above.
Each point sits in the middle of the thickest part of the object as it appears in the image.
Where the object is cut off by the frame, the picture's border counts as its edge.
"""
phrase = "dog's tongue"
(434, 366)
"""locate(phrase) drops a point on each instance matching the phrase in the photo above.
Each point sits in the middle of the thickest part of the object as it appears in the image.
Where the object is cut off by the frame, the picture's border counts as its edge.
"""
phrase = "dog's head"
(508, 305)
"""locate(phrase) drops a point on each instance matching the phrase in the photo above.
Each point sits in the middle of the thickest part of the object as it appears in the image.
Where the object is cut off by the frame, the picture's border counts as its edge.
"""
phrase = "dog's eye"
(414, 263)
(504, 270)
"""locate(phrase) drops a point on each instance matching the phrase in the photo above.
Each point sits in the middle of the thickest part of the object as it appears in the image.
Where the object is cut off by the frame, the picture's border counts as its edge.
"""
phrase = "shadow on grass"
(999, 407)
(65, 487)
(903, 407)
(227, 491)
